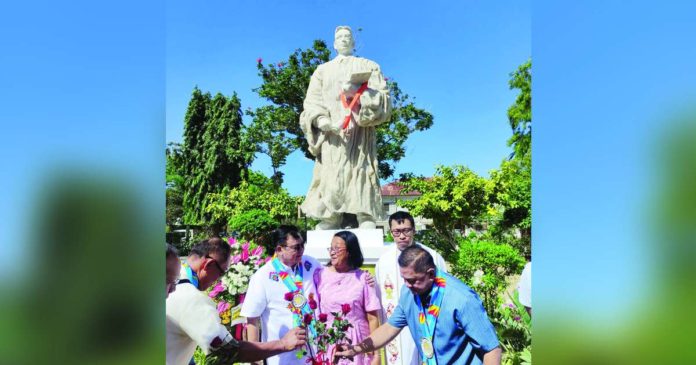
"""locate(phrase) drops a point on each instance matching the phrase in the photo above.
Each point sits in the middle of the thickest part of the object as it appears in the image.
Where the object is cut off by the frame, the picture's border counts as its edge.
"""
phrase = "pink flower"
(236, 259)
(232, 241)
(245, 252)
(258, 251)
(312, 304)
(323, 317)
(386, 79)
(222, 307)
(345, 308)
(288, 296)
(259, 60)
(280, 64)
(219, 288)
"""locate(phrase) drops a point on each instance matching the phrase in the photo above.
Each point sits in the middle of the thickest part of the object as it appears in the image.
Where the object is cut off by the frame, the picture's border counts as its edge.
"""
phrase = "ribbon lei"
(427, 318)
(354, 104)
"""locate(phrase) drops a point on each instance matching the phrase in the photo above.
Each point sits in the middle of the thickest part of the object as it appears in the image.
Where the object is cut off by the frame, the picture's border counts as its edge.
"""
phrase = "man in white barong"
(402, 350)
(347, 97)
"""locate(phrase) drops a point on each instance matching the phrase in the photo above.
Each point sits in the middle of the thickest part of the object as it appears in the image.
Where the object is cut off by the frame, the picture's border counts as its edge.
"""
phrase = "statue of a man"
(347, 97)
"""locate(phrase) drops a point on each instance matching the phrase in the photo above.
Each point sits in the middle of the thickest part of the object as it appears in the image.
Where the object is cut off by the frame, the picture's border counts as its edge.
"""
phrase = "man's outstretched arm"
(244, 351)
(378, 339)
(492, 357)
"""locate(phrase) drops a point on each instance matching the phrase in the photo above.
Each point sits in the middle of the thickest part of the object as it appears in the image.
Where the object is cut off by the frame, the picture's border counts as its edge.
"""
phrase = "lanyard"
(299, 305)
(192, 276)
(427, 318)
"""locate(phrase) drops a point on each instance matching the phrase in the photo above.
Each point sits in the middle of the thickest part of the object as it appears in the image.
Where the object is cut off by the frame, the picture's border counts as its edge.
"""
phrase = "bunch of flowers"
(246, 259)
(328, 335)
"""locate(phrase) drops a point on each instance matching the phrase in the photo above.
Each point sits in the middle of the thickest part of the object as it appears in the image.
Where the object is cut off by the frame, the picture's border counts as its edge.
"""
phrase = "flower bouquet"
(229, 292)
(328, 335)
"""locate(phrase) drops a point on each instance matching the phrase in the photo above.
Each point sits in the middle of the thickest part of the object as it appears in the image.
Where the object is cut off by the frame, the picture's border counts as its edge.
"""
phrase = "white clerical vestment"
(402, 350)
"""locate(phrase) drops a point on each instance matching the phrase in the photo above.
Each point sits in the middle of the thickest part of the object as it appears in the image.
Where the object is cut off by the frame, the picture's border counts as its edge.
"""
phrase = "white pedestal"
(371, 243)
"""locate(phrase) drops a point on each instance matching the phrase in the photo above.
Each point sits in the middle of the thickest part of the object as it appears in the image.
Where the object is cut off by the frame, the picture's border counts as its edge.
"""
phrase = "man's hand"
(294, 338)
(343, 352)
(369, 279)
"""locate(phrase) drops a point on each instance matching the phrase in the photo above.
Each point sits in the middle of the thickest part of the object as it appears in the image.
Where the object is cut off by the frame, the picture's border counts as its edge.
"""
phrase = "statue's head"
(343, 40)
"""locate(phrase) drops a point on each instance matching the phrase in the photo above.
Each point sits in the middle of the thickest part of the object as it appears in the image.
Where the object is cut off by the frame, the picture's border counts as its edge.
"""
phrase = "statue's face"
(343, 42)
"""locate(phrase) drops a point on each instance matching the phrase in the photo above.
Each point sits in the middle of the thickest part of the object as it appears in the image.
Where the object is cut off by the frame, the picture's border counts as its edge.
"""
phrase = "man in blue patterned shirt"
(446, 318)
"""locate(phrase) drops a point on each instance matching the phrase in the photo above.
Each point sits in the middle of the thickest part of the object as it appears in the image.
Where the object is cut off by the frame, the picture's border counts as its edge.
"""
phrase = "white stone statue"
(347, 97)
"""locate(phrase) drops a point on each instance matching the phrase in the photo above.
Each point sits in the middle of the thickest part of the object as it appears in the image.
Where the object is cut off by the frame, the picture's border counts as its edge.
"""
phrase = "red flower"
(288, 296)
(323, 317)
(312, 304)
(345, 308)
(307, 319)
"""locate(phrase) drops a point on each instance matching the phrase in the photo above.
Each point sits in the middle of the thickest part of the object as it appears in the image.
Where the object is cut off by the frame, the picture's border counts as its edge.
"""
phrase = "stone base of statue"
(371, 243)
(362, 221)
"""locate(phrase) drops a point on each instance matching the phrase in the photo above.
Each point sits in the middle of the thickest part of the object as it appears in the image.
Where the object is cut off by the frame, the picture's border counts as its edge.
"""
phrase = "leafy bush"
(485, 265)
(257, 192)
(434, 239)
(253, 225)
(514, 325)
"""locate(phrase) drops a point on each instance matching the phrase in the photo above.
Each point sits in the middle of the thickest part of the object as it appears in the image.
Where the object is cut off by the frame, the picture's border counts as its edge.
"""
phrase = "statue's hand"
(349, 89)
(324, 123)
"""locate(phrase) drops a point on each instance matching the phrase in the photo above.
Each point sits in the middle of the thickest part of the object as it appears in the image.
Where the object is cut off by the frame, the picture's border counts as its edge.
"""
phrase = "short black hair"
(417, 256)
(400, 217)
(355, 256)
(210, 246)
(279, 236)
(172, 252)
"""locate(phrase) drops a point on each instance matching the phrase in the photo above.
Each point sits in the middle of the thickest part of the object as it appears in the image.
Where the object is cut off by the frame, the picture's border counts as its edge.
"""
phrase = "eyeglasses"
(335, 250)
(217, 265)
(406, 231)
(298, 247)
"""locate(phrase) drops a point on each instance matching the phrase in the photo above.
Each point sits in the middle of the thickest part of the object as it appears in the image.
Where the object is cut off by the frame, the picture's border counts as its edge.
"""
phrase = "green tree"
(520, 112)
(512, 195)
(512, 192)
(175, 182)
(454, 198)
(257, 192)
(215, 154)
(275, 128)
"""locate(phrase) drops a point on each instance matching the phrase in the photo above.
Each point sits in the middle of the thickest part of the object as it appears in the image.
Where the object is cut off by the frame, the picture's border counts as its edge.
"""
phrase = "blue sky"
(455, 59)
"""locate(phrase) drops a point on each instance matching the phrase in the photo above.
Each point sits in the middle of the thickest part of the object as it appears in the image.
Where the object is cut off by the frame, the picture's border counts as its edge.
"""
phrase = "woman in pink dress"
(341, 282)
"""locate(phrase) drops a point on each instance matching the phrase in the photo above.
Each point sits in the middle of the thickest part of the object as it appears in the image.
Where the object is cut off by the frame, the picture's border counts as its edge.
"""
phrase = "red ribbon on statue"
(355, 102)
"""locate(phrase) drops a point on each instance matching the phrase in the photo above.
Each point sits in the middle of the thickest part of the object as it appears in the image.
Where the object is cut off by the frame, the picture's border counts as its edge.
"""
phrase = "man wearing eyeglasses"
(402, 350)
(193, 320)
(287, 280)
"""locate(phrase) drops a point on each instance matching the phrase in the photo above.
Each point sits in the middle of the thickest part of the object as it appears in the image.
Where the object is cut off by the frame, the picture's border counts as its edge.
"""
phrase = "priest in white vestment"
(402, 350)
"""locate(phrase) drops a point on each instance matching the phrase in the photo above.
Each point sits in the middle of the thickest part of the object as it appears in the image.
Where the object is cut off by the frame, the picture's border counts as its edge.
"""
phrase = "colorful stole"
(428, 318)
(299, 304)
(192, 277)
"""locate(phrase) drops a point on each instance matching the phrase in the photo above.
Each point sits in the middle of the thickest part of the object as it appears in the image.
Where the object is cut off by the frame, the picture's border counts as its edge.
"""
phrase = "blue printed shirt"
(463, 332)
